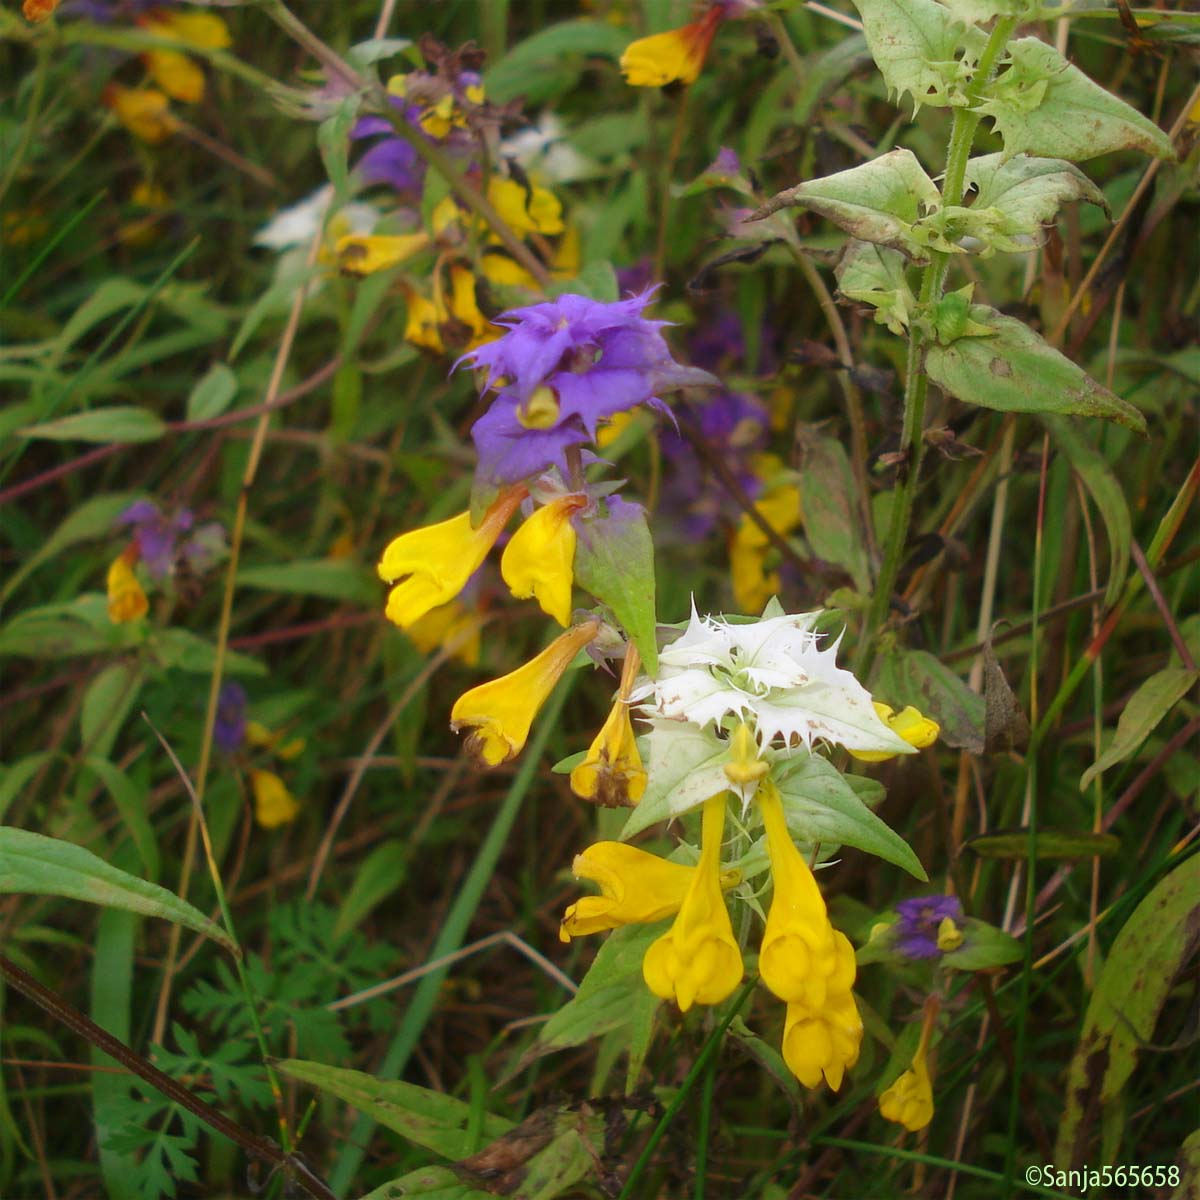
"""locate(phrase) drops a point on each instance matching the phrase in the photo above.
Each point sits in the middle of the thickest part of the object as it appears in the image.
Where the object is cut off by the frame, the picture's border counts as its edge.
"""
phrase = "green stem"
(711, 1045)
(933, 280)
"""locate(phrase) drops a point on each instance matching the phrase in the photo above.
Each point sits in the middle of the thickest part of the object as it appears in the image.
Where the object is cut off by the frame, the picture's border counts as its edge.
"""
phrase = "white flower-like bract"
(772, 674)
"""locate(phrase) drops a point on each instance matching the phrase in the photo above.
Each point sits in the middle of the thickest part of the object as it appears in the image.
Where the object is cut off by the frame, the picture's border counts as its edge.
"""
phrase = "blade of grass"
(453, 932)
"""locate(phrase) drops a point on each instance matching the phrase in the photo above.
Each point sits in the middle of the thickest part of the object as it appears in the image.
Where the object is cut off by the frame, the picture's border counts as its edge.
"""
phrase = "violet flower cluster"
(564, 367)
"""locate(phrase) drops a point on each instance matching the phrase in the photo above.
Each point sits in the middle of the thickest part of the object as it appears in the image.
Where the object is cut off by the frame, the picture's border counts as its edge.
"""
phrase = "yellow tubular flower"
(502, 710)
(636, 888)
(674, 56)
(37, 11)
(949, 936)
(822, 1043)
(449, 625)
(909, 1101)
(439, 559)
(529, 209)
(274, 805)
(126, 599)
(917, 730)
(143, 111)
(698, 961)
(364, 254)
(803, 958)
(464, 308)
(176, 74)
(205, 31)
(539, 560)
(424, 319)
(752, 585)
(612, 774)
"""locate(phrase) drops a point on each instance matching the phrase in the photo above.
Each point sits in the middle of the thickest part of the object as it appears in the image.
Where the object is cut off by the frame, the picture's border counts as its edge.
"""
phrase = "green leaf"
(1051, 844)
(63, 630)
(980, 12)
(94, 518)
(380, 874)
(875, 275)
(915, 44)
(190, 652)
(832, 522)
(1016, 199)
(17, 775)
(822, 807)
(684, 766)
(512, 75)
(1016, 370)
(614, 561)
(44, 866)
(333, 141)
(1043, 105)
(130, 800)
(428, 1183)
(1146, 708)
(438, 1122)
(106, 704)
(916, 677)
(612, 996)
(332, 578)
(881, 202)
(1141, 969)
(121, 423)
(212, 394)
(106, 299)
(1105, 490)
(984, 946)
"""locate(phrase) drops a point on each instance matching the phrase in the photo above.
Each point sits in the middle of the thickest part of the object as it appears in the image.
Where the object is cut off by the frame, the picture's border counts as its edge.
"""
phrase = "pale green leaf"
(15, 776)
(916, 44)
(44, 866)
(881, 201)
(1017, 199)
(984, 946)
(188, 651)
(105, 300)
(875, 275)
(1041, 104)
(430, 1119)
(511, 76)
(1050, 844)
(332, 578)
(1016, 370)
(980, 12)
(106, 704)
(1146, 708)
(130, 800)
(428, 1183)
(684, 765)
(120, 423)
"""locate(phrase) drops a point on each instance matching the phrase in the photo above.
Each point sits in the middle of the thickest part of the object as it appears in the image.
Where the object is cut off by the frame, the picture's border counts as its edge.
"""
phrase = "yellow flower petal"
(530, 209)
(672, 57)
(908, 723)
(36, 11)
(909, 1101)
(176, 74)
(364, 254)
(611, 774)
(126, 598)
(449, 625)
(274, 805)
(439, 559)
(698, 961)
(539, 559)
(206, 31)
(424, 321)
(636, 888)
(500, 712)
(143, 111)
(824, 1043)
(803, 958)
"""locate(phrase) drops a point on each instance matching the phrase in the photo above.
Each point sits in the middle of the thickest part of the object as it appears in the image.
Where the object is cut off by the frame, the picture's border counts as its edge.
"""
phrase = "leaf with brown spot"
(1149, 952)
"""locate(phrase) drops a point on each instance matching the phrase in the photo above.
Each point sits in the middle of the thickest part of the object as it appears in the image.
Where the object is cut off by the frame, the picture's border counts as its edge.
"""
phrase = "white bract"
(772, 674)
(299, 224)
